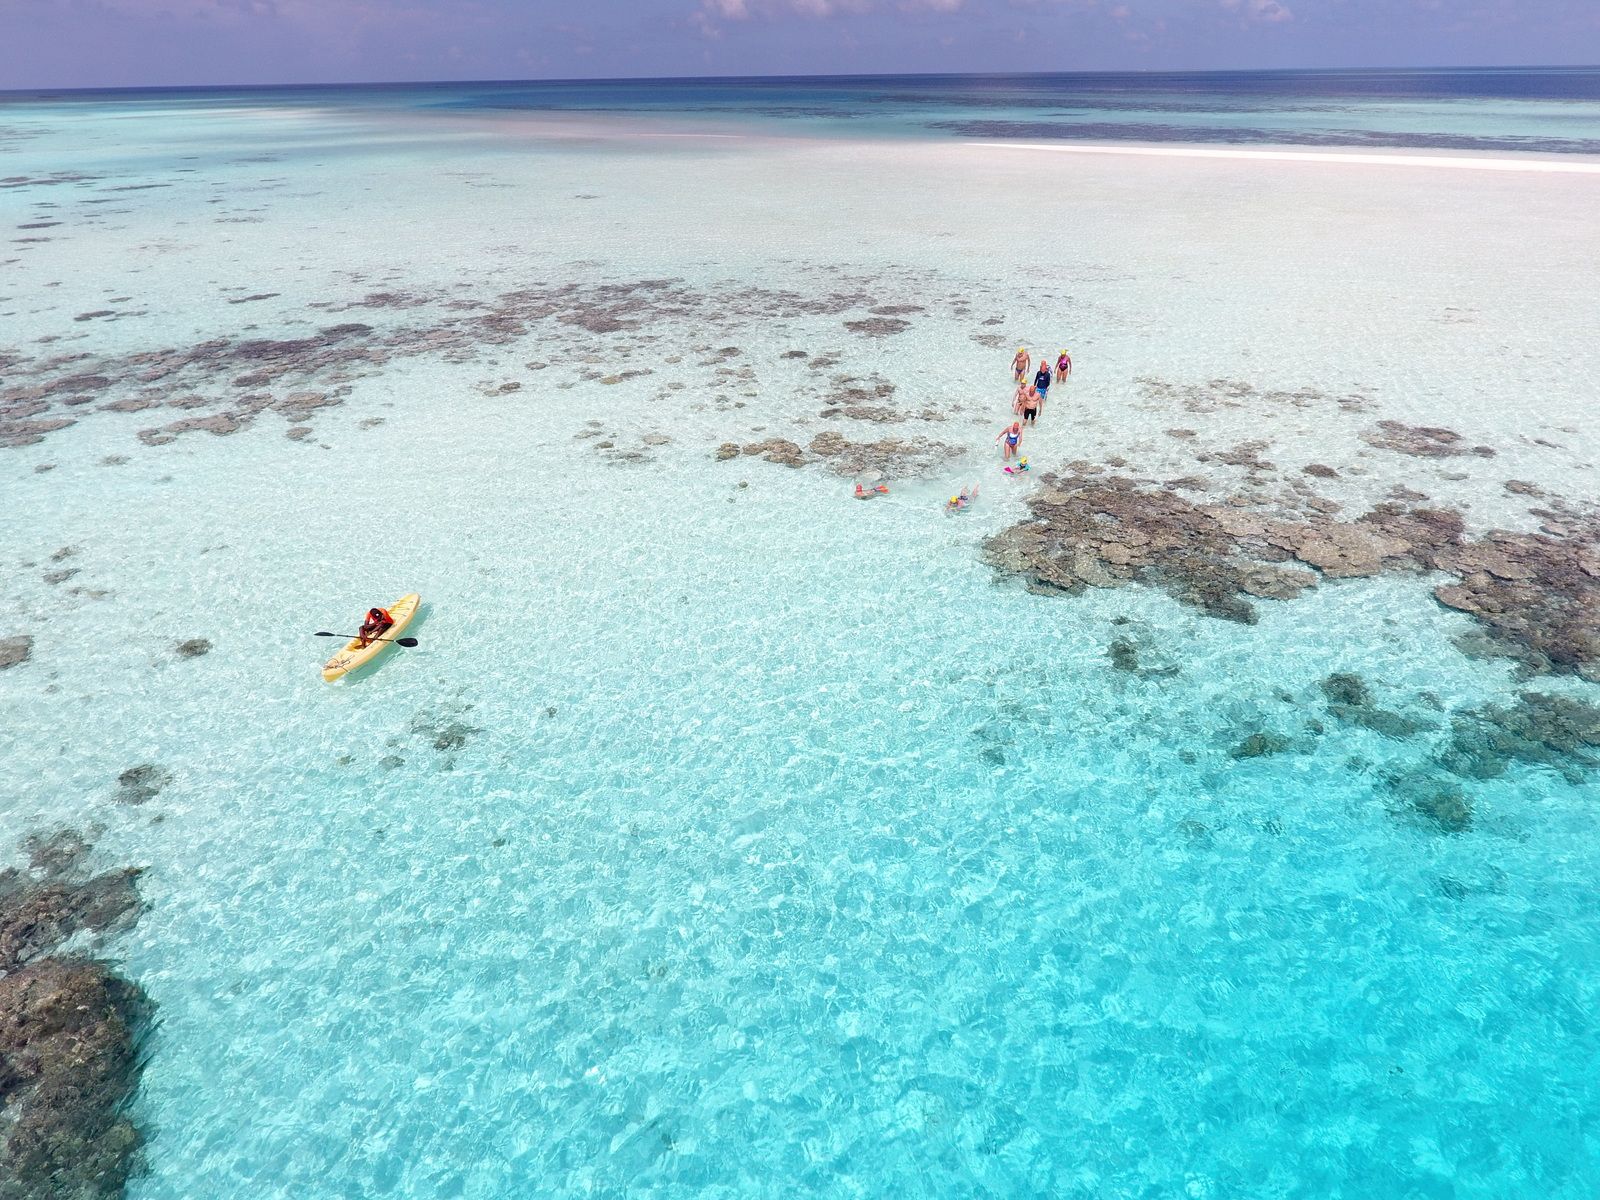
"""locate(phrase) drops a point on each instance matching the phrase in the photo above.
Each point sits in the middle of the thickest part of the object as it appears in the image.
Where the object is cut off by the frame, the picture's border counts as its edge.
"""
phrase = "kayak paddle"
(407, 642)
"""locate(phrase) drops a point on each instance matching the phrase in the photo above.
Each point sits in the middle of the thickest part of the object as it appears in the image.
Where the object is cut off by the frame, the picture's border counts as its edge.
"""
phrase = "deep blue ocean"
(1549, 109)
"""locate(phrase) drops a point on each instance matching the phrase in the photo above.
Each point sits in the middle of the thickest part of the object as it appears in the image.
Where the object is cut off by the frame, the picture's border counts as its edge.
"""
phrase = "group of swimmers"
(1027, 404)
(1028, 401)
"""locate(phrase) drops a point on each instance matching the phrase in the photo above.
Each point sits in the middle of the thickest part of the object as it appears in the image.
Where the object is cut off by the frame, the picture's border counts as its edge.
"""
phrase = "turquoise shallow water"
(776, 844)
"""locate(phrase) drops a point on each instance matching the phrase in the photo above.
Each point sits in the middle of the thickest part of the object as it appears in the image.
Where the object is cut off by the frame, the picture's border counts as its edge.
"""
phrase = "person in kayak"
(1019, 364)
(1012, 435)
(378, 619)
(1063, 366)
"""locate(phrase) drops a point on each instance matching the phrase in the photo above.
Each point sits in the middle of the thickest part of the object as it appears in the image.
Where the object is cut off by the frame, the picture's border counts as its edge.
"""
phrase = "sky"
(127, 43)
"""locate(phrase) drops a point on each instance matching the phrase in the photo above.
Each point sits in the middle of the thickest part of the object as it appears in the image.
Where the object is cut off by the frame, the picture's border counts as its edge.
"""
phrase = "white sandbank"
(1454, 162)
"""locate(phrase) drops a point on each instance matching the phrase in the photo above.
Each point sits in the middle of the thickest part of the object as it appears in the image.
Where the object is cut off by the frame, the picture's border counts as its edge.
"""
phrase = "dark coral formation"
(1350, 700)
(1429, 795)
(141, 783)
(193, 648)
(1421, 441)
(1261, 744)
(58, 852)
(1131, 657)
(36, 918)
(775, 450)
(1536, 595)
(878, 326)
(1342, 688)
(69, 1058)
(1088, 532)
(70, 1031)
(1217, 394)
(228, 383)
(15, 650)
(896, 456)
(1124, 655)
(1559, 732)
(443, 727)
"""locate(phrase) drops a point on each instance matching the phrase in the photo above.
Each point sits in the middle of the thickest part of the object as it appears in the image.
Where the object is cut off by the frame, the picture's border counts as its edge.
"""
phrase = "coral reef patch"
(70, 1029)
(1535, 596)
(15, 650)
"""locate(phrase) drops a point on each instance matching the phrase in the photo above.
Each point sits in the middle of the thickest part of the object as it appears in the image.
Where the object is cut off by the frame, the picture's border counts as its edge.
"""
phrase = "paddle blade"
(406, 641)
(324, 634)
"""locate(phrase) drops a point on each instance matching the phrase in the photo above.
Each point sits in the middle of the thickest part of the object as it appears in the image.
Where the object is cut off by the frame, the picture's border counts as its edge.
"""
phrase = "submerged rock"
(1350, 699)
(193, 648)
(777, 450)
(69, 1060)
(444, 731)
(1127, 655)
(141, 783)
(1259, 745)
(1439, 800)
(1560, 732)
(1447, 807)
(1421, 441)
(1537, 596)
(220, 424)
(1381, 720)
(59, 852)
(1344, 688)
(878, 326)
(70, 1030)
(35, 918)
(1124, 655)
(14, 651)
(893, 456)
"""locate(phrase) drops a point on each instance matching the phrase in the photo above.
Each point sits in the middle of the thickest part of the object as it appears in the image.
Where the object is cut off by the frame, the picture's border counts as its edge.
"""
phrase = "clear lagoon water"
(725, 836)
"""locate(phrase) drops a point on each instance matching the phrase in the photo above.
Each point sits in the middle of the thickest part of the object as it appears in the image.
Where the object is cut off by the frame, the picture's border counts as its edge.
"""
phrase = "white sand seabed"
(1452, 162)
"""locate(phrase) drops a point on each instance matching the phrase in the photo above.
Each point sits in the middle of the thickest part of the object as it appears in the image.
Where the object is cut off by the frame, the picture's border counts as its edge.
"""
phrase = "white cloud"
(1268, 12)
(740, 10)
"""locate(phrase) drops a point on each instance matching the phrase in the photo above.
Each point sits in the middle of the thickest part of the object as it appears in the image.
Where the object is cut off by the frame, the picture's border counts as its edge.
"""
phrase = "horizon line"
(1153, 72)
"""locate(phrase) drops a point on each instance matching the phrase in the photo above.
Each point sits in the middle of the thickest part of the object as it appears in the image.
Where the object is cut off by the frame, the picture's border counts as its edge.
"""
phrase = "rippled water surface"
(725, 836)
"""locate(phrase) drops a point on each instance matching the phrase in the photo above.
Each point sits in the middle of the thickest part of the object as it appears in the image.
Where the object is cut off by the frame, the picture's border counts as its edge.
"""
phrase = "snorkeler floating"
(962, 500)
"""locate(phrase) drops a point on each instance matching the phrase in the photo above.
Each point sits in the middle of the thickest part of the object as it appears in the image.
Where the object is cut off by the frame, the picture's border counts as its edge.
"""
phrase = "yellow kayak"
(356, 655)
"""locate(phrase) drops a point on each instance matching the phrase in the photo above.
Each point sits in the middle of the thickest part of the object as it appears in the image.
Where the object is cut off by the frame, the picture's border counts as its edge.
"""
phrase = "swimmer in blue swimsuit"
(1012, 436)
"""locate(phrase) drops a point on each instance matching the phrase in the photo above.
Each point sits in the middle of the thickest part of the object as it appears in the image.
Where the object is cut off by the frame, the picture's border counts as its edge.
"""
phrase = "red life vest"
(382, 617)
